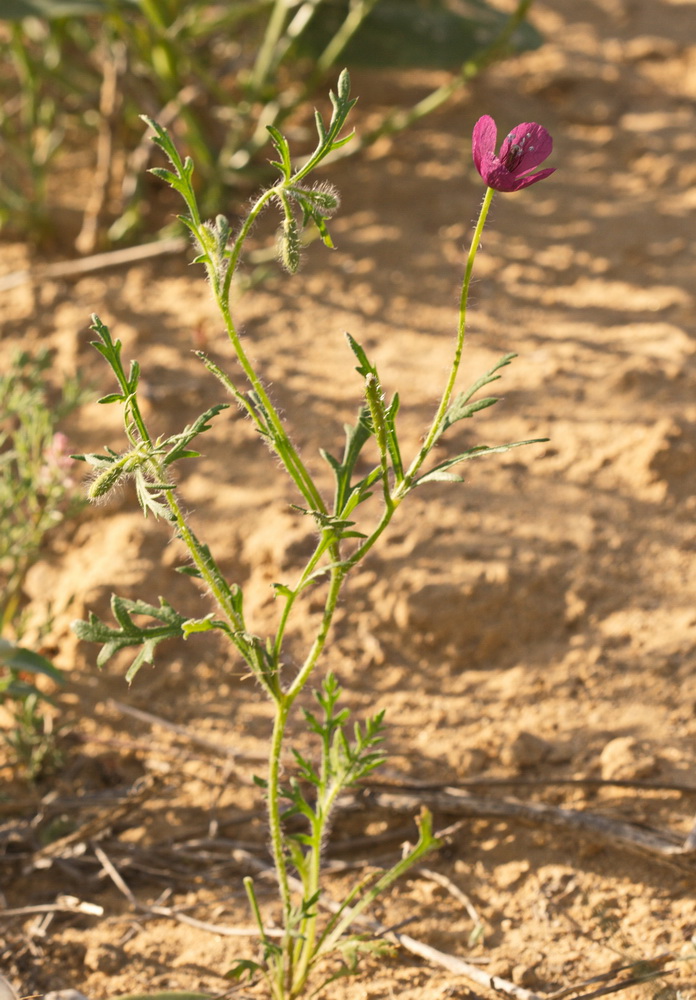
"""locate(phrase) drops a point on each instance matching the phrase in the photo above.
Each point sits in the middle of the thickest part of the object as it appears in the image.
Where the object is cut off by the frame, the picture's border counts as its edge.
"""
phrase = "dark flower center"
(516, 150)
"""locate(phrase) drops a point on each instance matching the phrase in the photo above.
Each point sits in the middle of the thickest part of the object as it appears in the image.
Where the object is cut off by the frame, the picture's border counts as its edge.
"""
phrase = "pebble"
(623, 759)
(525, 750)
(65, 995)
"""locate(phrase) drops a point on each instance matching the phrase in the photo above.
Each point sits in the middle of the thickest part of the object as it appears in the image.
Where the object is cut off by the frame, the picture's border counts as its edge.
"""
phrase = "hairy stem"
(434, 431)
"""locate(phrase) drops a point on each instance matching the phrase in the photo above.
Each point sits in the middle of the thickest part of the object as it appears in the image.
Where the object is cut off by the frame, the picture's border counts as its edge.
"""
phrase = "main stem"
(283, 706)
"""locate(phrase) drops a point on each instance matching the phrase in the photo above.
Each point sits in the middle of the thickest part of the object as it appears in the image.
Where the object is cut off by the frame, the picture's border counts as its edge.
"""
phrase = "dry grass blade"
(461, 968)
(453, 890)
(64, 904)
(518, 781)
(6, 991)
(95, 262)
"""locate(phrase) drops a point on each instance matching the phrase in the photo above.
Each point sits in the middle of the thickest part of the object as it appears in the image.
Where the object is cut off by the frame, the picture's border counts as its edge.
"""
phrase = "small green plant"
(76, 72)
(30, 735)
(346, 531)
(37, 491)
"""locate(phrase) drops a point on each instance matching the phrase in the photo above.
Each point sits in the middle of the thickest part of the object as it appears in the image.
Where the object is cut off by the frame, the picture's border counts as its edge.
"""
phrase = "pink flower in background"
(57, 463)
(524, 148)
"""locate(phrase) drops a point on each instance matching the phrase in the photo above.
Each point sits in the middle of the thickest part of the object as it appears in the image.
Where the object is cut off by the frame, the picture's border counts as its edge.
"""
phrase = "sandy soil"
(536, 625)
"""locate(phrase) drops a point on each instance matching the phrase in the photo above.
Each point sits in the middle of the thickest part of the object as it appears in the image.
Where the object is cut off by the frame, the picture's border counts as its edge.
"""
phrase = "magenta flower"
(524, 148)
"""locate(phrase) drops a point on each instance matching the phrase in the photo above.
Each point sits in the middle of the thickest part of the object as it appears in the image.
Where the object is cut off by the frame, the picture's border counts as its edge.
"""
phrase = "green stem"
(363, 549)
(223, 293)
(393, 875)
(274, 819)
(185, 533)
(308, 930)
(290, 598)
(283, 706)
(337, 576)
(436, 425)
(284, 446)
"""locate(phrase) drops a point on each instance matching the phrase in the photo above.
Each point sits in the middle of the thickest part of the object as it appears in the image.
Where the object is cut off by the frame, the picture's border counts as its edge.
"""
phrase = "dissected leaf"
(206, 624)
(178, 442)
(439, 472)
(462, 407)
(130, 633)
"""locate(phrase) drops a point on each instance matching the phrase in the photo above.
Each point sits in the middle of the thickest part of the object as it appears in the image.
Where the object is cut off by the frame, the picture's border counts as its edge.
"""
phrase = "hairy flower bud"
(289, 244)
(105, 481)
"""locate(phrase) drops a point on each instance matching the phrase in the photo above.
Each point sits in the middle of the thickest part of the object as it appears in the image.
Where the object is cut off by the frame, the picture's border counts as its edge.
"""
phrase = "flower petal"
(535, 146)
(523, 182)
(500, 178)
(483, 141)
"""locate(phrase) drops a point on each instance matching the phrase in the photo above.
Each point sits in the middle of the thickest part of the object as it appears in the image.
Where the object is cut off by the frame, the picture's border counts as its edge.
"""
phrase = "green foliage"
(31, 737)
(218, 74)
(37, 492)
(130, 633)
(36, 487)
(146, 459)
(404, 34)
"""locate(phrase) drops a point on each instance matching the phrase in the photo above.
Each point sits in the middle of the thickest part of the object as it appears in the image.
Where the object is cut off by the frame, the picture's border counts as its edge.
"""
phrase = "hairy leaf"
(130, 633)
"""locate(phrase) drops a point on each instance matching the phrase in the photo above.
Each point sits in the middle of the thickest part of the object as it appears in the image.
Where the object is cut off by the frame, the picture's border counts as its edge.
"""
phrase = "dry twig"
(662, 846)
(96, 262)
(201, 741)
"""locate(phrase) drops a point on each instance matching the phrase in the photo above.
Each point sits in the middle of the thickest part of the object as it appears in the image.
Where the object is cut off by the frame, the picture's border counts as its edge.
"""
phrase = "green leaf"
(351, 949)
(356, 438)
(130, 633)
(477, 452)
(244, 967)
(382, 418)
(207, 624)
(169, 178)
(410, 34)
(365, 367)
(190, 571)
(281, 144)
(461, 408)
(149, 496)
(26, 660)
(339, 526)
(178, 442)
(15, 10)
(329, 138)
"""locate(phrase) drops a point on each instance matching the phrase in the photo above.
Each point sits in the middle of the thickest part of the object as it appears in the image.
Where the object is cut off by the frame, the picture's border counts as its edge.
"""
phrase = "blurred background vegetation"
(76, 74)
